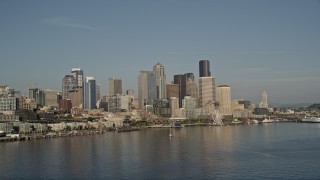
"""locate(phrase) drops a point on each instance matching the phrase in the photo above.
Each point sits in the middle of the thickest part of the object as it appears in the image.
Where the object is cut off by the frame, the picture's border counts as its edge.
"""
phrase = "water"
(271, 151)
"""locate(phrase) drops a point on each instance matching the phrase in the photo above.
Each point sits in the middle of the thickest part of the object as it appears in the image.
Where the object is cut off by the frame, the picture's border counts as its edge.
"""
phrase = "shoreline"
(35, 136)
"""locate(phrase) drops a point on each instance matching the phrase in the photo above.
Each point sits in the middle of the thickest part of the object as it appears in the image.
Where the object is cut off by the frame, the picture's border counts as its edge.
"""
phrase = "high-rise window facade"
(78, 75)
(181, 80)
(147, 88)
(115, 86)
(224, 99)
(90, 93)
(207, 88)
(68, 83)
(158, 71)
(204, 68)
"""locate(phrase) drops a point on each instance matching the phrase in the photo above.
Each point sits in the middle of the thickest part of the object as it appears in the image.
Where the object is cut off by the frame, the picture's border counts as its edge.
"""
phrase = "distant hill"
(298, 105)
(314, 106)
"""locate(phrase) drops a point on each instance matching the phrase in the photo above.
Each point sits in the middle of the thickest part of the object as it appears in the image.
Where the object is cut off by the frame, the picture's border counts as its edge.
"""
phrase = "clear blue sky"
(271, 45)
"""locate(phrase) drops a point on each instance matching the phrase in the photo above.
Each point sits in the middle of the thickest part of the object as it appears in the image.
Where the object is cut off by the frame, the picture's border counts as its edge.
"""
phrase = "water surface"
(270, 151)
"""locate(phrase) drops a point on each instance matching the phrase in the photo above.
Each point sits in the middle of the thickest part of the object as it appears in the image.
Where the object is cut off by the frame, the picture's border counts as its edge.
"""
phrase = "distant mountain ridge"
(314, 106)
(297, 105)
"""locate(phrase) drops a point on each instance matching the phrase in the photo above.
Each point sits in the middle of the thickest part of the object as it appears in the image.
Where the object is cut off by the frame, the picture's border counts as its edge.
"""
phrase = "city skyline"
(270, 46)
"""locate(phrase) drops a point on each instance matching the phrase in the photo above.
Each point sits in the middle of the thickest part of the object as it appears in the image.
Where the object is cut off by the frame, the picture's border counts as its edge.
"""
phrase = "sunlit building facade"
(147, 88)
(224, 99)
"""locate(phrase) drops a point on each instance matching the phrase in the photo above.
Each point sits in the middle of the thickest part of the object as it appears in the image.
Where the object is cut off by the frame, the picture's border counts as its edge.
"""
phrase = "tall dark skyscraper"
(181, 80)
(204, 68)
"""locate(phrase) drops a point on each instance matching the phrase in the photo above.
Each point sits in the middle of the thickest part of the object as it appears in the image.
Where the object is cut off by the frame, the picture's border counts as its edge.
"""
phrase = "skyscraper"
(172, 91)
(158, 70)
(78, 75)
(90, 93)
(115, 86)
(51, 98)
(40, 97)
(147, 88)
(37, 95)
(76, 97)
(68, 83)
(224, 99)
(181, 80)
(204, 68)
(98, 92)
(190, 104)
(192, 89)
(33, 93)
(207, 88)
(264, 100)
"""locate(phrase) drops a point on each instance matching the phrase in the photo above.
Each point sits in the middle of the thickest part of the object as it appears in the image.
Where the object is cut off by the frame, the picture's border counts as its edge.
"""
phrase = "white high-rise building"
(189, 104)
(264, 100)
(224, 99)
(158, 71)
(90, 93)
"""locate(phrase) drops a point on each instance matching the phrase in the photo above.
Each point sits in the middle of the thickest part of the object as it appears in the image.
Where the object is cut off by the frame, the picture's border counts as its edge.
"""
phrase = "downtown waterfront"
(267, 151)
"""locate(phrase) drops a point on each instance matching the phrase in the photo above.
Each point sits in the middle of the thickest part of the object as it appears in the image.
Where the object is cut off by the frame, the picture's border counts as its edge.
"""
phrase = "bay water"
(267, 151)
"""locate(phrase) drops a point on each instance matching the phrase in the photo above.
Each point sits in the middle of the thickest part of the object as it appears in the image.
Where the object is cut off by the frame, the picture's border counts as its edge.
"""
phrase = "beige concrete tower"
(207, 87)
(115, 86)
(207, 90)
(224, 99)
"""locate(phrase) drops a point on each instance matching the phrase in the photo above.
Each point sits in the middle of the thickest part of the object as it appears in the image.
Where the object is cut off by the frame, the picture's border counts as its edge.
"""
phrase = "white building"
(264, 100)
(125, 103)
(190, 105)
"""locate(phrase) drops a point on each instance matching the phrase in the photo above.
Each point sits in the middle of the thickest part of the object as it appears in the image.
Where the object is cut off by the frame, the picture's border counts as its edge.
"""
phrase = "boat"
(254, 121)
(311, 120)
(267, 120)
